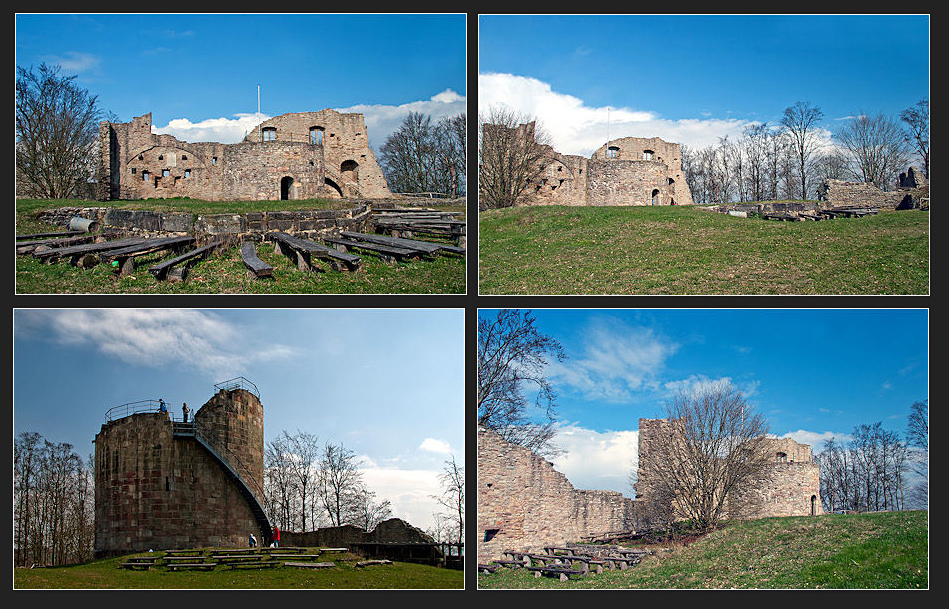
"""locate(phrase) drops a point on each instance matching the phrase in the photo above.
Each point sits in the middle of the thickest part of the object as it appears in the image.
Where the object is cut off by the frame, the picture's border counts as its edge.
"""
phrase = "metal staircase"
(188, 430)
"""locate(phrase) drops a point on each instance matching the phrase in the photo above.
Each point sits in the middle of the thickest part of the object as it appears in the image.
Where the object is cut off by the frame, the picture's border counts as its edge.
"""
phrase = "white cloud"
(596, 460)
(222, 130)
(616, 360)
(410, 492)
(698, 383)
(816, 439)
(576, 128)
(381, 120)
(435, 446)
(74, 62)
(156, 337)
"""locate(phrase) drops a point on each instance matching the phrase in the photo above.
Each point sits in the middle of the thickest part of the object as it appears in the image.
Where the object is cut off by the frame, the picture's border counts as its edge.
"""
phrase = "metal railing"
(238, 383)
(124, 410)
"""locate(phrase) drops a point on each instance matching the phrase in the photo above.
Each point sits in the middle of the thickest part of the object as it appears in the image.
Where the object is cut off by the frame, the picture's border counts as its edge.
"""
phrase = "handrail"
(237, 383)
(123, 410)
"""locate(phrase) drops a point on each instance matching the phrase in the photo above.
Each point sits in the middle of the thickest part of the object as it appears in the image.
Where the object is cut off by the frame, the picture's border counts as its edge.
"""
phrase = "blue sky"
(198, 74)
(387, 384)
(812, 373)
(695, 78)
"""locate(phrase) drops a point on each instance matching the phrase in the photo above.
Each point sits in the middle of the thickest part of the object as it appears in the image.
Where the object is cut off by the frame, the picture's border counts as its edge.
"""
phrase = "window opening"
(490, 533)
(269, 134)
(612, 152)
(647, 155)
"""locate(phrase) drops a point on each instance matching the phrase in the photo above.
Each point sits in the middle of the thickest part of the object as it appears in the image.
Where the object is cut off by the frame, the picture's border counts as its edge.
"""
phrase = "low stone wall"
(839, 192)
(391, 531)
(249, 223)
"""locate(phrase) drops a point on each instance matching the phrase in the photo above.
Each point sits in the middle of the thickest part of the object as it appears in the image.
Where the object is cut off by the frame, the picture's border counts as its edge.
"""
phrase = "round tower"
(162, 483)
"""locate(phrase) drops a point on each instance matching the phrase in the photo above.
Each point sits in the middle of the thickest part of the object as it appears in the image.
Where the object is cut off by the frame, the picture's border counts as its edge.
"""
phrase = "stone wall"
(248, 223)
(392, 531)
(789, 486)
(278, 160)
(525, 504)
(157, 491)
(625, 171)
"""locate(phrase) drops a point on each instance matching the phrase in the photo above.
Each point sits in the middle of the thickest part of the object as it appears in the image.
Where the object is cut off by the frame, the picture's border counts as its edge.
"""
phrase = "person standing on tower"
(161, 406)
(184, 411)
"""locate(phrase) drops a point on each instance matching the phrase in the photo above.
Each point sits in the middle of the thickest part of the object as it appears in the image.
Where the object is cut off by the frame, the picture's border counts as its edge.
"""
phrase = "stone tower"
(163, 483)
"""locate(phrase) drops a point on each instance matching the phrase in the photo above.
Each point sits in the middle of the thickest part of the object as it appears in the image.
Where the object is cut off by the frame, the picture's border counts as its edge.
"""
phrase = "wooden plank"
(147, 246)
(425, 246)
(384, 251)
(311, 565)
(341, 260)
(256, 268)
(161, 269)
(87, 248)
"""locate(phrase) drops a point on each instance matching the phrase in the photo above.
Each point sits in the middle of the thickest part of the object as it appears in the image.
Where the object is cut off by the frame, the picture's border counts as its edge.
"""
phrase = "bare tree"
(304, 452)
(917, 120)
(340, 482)
(878, 148)
(513, 354)
(917, 436)
(716, 443)
(452, 498)
(425, 157)
(57, 130)
(366, 511)
(512, 152)
(280, 491)
(801, 121)
(754, 143)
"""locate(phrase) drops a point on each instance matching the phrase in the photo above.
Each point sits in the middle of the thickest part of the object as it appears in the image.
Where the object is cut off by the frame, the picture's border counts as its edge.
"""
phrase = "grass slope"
(863, 551)
(690, 251)
(224, 271)
(105, 574)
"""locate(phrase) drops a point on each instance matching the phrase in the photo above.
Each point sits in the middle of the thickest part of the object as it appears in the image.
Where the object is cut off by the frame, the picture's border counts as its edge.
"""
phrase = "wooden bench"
(563, 573)
(310, 565)
(624, 562)
(369, 563)
(256, 268)
(183, 552)
(483, 568)
(301, 556)
(334, 549)
(510, 563)
(257, 564)
(387, 253)
(138, 562)
(79, 252)
(170, 268)
(194, 566)
(303, 250)
(426, 247)
(587, 562)
(124, 258)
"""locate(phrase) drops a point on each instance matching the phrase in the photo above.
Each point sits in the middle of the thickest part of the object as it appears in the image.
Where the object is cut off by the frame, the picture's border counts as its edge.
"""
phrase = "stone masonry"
(154, 490)
(525, 504)
(789, 486)
(625, 171)
(912, 192)
(303, 155)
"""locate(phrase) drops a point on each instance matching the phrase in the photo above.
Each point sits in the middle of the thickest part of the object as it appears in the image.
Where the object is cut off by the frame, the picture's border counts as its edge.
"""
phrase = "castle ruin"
(625, 171)
(162, 483)
(302, 155)
(524, 504)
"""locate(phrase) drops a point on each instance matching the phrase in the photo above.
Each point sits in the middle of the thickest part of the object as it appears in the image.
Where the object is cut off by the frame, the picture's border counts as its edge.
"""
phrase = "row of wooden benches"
(122, 252)
(559, 562)
(253, 558)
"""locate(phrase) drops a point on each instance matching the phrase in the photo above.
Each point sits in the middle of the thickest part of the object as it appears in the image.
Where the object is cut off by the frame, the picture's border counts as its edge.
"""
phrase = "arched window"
(316, 136)
(647, 155)
(612, 152)
(349, 169)
(269, 134)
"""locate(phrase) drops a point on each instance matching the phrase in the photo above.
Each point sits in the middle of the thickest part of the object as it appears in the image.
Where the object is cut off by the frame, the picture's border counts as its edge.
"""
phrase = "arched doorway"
(813, 505)
(655, 197)
(286, 184)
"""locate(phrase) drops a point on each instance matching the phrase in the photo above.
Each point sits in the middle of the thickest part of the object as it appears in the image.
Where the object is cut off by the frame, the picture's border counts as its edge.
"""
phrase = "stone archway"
(286, 188)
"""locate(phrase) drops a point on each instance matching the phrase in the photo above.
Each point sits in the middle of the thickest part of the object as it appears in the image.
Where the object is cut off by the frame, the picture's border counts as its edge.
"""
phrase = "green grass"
(106, 574)
(855, 551)
(224, 271)
(690, 251)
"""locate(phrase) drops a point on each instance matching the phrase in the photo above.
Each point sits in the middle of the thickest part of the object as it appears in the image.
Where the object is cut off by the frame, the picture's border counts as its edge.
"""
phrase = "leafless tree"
(513, 150)
(754, 143)
(917, 436)
(452, 139)
(917, 120)
(512, 354)
(716, 443)
(53, 507)
(366, 511)
(877, 146)
(452, 480)
(57, 130)
(801, 122)
(304, 452)
(340, 483)
(280, 492)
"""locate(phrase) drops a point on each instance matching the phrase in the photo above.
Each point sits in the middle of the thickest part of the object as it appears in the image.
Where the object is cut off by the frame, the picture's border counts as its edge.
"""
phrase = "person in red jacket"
(276, 536)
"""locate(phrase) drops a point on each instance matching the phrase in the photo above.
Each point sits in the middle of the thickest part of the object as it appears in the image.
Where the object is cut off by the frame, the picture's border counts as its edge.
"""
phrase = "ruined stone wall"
(525, 504)
(157, 491)
(841, 193)
(136, 164)
(626, 171)
(789, 486)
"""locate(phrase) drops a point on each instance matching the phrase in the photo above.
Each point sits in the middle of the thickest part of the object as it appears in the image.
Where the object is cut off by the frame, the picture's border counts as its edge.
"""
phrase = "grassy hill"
(224, 271)
(881, 550)
(106, 574)
(690, 251)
